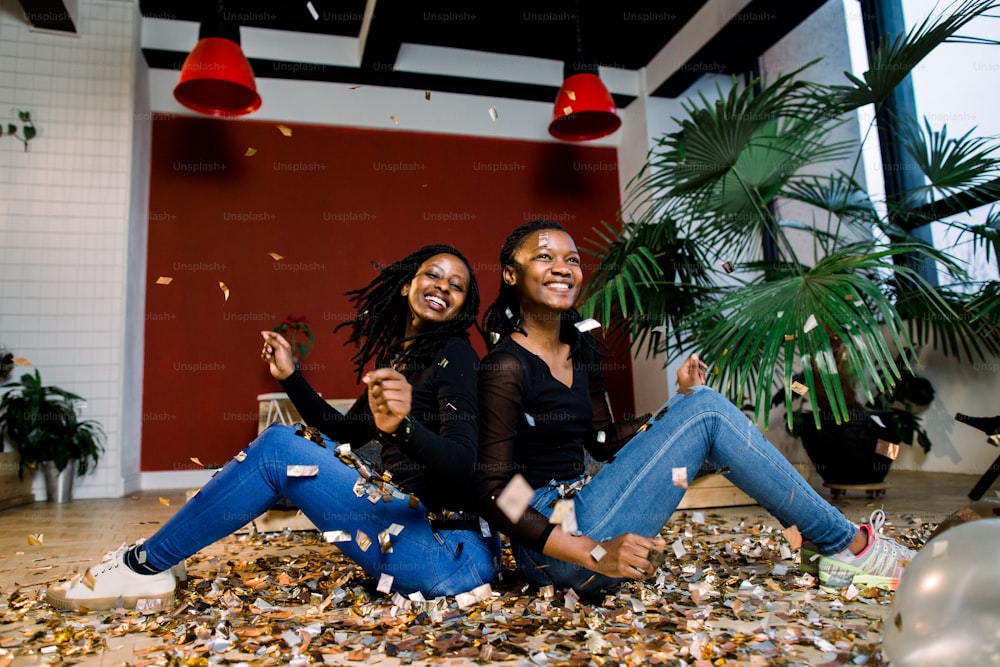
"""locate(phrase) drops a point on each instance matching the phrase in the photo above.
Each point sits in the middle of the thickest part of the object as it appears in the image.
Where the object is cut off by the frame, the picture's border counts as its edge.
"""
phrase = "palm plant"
(838, 294)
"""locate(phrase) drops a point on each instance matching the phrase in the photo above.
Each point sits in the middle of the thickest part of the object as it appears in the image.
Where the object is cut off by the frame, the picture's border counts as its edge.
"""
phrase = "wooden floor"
(42, 543)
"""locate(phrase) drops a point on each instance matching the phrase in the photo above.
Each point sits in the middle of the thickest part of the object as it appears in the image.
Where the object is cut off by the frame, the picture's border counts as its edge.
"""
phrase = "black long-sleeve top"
(533, 424)
(436, 463)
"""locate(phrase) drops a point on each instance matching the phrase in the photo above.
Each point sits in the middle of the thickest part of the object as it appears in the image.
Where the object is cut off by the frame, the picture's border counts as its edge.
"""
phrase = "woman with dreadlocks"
(412, 526)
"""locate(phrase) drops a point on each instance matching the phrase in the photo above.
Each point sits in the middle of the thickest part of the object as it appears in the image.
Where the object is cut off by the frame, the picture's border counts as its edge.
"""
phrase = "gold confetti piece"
(164, 280)
(848, 297)
(793, 536)
(165, 501)
(427, 95)
(598, 552)
(890, 450)
(515, 498)
(301, 470)
(240, 456)
(571, 94)
(225, 290)
(493, 113)
(21, 361)
(800, 388)
(810, 324)
(285, 130)
(35, 540)
(393, 119)
(195, 460)
(384, 583)
(680, 477)
(728, 267)
(384, 543)
(250, 152)
(587, 325)
(656, 558)
(394, 529)
(567, 111)
(789, 337)
(363, 540)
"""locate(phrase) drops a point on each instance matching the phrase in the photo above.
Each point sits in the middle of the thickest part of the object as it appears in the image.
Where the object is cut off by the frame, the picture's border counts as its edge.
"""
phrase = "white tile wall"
(64, 210)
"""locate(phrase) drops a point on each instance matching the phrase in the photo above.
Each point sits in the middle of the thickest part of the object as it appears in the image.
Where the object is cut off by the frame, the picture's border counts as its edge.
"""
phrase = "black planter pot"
(845, 453)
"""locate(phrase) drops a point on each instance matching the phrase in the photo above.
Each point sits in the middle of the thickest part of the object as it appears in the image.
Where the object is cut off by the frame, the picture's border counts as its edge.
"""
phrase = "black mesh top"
(533, 424)
(437, 462)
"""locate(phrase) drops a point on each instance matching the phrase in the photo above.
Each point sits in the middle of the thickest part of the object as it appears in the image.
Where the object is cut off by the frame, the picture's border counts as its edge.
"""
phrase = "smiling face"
(437, 292)
(546, 273)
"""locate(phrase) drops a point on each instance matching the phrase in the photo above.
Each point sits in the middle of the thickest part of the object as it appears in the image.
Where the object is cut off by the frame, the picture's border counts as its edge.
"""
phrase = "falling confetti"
(301, 470)
(250, 152)
(285, 130)
(515, 497)
(587, 325)
(793, 536)
(728, 267)
(493, 113)
(427, 95)
(810, 324)
(165, 501)
(21, 361)
(393, 119)
(384, 583)
(680, 477)
(195, 460)
(164, 280)
(312, 10)
(890, 450)
(800, 388)
(598, 552)
(35, 540)
(225, 290)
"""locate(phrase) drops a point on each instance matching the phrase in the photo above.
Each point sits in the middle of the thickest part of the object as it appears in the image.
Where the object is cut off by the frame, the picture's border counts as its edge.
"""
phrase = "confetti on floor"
(735, 597)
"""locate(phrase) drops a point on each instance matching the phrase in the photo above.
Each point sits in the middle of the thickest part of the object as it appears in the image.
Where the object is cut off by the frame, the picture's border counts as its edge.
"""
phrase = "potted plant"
(821, 305)
(43, 425)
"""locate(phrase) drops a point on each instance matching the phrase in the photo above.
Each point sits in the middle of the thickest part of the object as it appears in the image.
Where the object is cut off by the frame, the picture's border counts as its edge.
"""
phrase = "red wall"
(333, 202)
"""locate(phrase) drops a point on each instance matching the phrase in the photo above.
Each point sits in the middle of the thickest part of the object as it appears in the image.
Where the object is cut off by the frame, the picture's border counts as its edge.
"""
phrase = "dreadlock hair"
(503, 316)
(379, 322)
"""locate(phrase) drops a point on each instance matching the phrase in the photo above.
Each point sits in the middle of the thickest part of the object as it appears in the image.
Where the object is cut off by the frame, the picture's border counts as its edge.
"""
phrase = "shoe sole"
(860, 580)
(145, 603)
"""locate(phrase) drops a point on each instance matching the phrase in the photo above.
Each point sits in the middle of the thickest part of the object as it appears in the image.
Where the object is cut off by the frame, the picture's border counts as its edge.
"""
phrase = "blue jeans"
(442, 562)
(635, 492)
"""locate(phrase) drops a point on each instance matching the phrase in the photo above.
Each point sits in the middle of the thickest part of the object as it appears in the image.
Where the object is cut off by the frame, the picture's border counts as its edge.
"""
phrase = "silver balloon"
(946, 610)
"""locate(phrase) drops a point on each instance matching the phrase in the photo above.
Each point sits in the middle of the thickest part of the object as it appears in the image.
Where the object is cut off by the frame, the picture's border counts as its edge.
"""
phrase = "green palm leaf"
(893, 60)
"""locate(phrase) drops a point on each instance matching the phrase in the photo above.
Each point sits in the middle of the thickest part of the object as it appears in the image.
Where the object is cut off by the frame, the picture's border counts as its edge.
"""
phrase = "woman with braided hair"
(412, 527)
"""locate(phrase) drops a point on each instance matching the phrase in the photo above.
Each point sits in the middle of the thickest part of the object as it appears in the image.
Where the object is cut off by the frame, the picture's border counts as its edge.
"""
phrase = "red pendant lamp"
(584, 108)
(216, 78)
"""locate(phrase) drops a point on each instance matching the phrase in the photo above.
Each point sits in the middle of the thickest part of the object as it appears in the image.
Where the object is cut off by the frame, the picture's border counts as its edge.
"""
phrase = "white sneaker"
(112, 585)
(880, 564)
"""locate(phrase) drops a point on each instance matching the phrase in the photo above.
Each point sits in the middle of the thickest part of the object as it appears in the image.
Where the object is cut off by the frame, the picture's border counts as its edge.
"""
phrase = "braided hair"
(503, 316)
(379, 323)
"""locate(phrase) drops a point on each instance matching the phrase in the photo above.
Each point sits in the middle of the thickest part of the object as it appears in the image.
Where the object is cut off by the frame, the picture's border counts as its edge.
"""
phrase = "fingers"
(389, 393)
(633, 555)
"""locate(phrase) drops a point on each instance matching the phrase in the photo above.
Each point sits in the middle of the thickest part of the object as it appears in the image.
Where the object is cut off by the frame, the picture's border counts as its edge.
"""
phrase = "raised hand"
(389, 397)
(690, 374)
(278, 354)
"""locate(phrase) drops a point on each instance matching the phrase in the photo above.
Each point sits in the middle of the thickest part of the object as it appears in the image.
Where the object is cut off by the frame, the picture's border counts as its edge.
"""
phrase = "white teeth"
(434, 299)
(562, 287)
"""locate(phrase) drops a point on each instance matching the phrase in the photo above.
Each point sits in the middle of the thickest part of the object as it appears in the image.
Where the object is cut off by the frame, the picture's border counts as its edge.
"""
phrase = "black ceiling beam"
(48, 15)
(756, 29)
(277, 69)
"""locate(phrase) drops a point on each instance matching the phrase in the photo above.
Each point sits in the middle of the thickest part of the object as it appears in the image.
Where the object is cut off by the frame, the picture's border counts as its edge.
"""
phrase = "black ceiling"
(625, 34)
